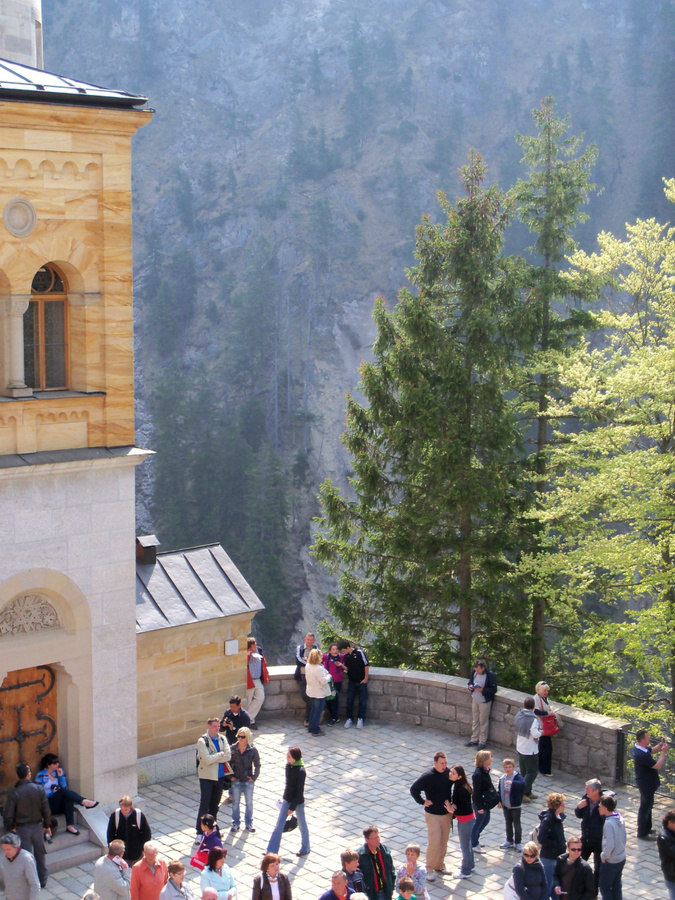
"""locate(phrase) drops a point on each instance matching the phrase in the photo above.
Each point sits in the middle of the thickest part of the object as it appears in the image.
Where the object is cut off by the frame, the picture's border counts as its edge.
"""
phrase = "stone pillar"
(12, 310)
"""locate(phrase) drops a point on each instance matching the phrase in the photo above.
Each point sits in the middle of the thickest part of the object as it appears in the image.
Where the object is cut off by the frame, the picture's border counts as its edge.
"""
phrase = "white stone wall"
(21, 31)
(69, 534)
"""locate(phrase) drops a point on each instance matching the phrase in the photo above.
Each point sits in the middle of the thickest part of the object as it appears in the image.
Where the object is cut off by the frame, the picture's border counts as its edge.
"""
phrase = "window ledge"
(52, 395)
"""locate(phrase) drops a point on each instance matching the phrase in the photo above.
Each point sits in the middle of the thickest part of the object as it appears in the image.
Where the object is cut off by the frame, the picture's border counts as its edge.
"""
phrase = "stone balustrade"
(586, 746)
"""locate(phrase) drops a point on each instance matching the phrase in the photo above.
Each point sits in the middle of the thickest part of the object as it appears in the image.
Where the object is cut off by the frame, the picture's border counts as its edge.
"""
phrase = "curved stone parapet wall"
(586, 746)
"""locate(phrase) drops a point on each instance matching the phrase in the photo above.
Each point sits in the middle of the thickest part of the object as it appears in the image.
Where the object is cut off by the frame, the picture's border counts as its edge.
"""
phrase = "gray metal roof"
(25, 83)
(190, 586)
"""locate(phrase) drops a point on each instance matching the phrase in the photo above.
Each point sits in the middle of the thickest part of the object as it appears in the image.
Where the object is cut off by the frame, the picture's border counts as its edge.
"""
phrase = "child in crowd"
(406, 889)
(210, 833)
(350, 866)
(511, 790)
(413, 871)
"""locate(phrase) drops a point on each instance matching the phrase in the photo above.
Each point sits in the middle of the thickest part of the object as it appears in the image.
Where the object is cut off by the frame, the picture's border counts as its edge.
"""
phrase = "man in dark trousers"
(358, 668)
(588, 810)
(647, 779)
(377, 866)
(435, 784)
(27, 811)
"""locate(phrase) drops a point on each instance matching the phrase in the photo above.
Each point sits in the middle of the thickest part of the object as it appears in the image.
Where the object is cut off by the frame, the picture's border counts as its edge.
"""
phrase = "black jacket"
(583, 881)
(482, 787)
(263, 891)
(530, 880)
(592, 824)
(27, 804)
(666, 844)
(490, 688)
(461, 798)
(551, 835)
(436, 787)
(128, 830)
(294, 792)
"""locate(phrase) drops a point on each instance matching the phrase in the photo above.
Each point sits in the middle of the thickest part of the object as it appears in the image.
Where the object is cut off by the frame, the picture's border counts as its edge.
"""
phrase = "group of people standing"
(321, 676)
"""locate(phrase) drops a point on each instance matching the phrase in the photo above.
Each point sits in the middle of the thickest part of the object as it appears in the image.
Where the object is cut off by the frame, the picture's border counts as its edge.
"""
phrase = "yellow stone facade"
(184, 677)
(73, 164)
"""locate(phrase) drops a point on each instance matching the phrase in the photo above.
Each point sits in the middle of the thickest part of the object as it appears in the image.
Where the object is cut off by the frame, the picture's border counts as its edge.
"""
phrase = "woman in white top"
(541, 709)
(318, 688)
(271, 884)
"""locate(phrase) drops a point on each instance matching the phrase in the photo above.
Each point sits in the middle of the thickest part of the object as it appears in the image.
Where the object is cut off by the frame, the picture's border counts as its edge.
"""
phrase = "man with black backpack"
(129, 825)
(213, 754)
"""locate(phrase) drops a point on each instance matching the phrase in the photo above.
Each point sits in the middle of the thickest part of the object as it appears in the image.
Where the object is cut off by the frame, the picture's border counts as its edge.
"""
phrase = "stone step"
(74, 855)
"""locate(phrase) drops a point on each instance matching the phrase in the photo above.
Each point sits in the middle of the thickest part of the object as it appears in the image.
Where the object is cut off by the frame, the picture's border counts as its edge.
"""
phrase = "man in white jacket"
(613, 855)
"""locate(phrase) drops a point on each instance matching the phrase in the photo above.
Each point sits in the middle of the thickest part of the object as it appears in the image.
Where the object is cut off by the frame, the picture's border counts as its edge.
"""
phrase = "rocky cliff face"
(294, 146)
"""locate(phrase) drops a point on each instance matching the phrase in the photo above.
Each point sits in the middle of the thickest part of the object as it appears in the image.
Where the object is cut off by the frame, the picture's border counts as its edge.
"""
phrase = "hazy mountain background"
(294, 146)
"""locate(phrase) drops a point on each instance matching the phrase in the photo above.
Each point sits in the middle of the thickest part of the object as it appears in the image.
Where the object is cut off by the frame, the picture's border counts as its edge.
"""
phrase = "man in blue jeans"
(357, 665)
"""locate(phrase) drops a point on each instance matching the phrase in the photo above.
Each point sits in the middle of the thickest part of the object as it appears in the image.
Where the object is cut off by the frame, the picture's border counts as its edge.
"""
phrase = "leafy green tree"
(612, 509)
(423, 548)
(549, 202)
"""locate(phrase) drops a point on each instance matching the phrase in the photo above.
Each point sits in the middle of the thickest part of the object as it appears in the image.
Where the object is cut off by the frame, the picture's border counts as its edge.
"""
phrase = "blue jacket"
(517, 790)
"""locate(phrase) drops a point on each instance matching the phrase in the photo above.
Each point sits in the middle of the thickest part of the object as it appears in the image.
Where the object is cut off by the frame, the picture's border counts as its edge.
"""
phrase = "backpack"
(118, 813)
(206, 741)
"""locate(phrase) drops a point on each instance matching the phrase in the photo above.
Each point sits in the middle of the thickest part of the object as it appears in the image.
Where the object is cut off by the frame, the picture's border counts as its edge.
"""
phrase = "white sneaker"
(519, 848)
(348, 723)
(478, 849)
(431, 876)
(359, 723)
(461, 875)
(507, 845)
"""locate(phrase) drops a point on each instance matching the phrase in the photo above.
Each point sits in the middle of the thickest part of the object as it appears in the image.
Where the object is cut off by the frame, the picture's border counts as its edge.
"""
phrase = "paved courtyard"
(356, 778)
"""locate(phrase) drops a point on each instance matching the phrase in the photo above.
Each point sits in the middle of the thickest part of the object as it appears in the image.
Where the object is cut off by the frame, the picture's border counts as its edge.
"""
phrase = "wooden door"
(27, 721)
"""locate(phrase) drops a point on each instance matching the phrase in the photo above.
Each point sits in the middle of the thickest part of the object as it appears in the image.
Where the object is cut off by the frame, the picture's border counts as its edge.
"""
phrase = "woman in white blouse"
(271, 884)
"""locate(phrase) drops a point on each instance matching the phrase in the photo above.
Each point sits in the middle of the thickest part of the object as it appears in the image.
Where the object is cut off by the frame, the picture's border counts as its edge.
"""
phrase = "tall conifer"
(423, 547)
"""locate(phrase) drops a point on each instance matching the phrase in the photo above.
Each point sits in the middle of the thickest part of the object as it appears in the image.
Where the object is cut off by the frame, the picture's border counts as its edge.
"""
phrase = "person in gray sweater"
(613, 855)
(18, 870)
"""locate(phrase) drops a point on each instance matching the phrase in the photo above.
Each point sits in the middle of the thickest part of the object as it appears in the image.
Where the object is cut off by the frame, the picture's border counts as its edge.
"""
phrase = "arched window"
(44, 332)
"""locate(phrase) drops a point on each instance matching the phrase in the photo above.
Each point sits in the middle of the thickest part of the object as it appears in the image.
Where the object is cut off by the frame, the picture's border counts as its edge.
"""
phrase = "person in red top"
(149, 874)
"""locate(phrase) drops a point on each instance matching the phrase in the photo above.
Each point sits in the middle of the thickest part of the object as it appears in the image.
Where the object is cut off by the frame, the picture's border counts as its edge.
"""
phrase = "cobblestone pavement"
(358, 777)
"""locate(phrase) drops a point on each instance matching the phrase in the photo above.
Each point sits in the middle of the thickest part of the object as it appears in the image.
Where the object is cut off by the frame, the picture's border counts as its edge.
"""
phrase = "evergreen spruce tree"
(549, 202)
(423, 548)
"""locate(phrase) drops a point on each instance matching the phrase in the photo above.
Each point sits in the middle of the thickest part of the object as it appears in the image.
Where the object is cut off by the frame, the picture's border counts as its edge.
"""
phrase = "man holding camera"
(647, 779)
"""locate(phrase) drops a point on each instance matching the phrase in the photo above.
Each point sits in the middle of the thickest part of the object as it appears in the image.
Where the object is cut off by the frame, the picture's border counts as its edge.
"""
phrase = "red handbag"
(200, 859)
(549, 725)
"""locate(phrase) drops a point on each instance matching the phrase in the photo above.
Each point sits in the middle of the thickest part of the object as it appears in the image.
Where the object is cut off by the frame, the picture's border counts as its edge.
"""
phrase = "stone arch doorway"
(45, 638)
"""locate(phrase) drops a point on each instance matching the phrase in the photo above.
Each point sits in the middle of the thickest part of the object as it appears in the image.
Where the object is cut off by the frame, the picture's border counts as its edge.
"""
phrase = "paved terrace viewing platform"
(358, 777)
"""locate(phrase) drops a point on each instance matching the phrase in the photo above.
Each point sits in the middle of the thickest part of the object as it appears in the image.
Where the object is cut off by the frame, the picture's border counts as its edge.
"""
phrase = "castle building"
(80, 615)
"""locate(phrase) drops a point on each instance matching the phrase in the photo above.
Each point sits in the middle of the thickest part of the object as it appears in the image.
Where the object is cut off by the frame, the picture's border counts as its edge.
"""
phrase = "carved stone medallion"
(20, 217)
(28, 612)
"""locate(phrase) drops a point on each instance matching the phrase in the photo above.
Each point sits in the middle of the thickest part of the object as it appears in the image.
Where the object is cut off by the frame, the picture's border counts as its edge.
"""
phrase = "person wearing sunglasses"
(246, 768)
(528, 879)
(573, 876)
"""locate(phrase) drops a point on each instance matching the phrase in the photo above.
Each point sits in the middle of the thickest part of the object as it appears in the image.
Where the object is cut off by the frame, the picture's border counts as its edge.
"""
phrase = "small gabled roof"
(19, 82)
(192, 585)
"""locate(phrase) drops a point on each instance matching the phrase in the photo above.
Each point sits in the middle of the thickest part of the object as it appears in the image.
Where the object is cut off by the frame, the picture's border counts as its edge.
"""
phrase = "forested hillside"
(294, 147)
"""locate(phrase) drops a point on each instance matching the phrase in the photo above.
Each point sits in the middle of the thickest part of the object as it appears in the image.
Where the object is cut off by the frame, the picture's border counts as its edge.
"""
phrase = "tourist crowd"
(551, 863)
